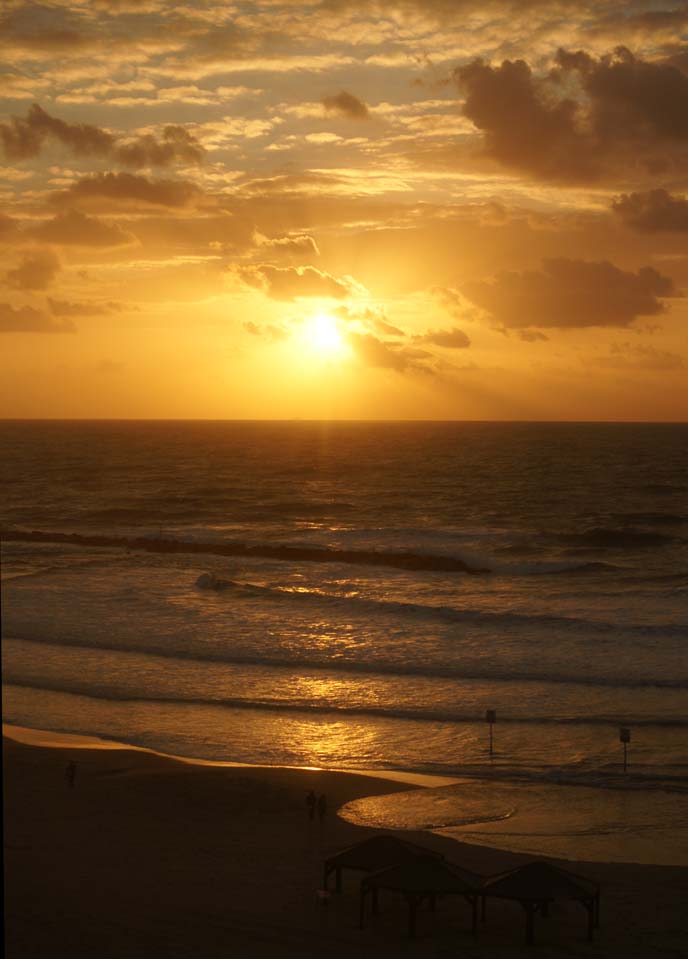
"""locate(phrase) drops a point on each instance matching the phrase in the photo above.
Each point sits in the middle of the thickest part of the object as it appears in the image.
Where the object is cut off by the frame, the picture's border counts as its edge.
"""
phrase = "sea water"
(356, 596)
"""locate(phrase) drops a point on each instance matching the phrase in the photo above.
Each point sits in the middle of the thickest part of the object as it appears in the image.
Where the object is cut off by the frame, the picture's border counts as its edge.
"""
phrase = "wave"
(331, 710)
(600, 537)
(608, 776)
(201, 502)
(664, 489)
(377, 667)
(653, 519)
(559, 568)
(213, 583)
(292, 553)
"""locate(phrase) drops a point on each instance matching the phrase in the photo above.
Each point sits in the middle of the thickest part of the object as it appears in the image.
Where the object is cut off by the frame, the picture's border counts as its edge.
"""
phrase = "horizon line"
(301, 419)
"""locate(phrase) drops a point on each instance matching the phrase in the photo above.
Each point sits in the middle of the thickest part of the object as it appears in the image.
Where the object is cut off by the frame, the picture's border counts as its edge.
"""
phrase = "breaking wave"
(379, 666)
(215, 584)
(294, 553)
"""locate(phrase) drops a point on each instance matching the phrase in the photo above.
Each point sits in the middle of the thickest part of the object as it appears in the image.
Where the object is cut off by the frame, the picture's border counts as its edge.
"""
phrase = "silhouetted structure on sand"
(538, 884)
(422, 875)
(423, 879)
(372, 855)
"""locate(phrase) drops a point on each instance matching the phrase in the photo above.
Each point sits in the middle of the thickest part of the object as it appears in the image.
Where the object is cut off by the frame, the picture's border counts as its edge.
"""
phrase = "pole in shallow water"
(625, 738)
(491, 718)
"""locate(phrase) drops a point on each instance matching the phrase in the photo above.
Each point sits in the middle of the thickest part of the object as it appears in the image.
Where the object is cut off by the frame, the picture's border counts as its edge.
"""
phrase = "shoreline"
(152, 856)
(31, 736)
(563, 821)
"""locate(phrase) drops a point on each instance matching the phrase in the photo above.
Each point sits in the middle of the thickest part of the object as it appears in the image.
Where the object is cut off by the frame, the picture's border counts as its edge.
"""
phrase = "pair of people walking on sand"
(318, 803)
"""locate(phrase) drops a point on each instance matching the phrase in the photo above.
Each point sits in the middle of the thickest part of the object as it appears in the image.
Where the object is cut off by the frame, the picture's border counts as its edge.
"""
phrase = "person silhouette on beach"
(322, 807)
(311, 802)
(70, 774)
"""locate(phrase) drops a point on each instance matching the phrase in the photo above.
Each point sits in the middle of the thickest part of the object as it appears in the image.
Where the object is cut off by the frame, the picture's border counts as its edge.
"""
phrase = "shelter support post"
(483, 909)
(338, 879)
(474, 907)
(597, 911)
(413, 908)
(376, 904)
(590, 906)
(530, 923)
(361, 905)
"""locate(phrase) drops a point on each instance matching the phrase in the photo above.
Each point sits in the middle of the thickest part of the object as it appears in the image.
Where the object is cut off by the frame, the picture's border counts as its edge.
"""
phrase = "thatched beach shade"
(422, 879)
(538, 884)
(374, 854)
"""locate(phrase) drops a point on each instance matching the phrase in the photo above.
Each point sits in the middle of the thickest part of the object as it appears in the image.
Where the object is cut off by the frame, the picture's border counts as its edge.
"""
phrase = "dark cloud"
(221, 43)
(347, 105)
(633, 356)
(587, 118)
(269, 331)
(676, 55)
(8, 226)
(79, 229)
(176, 145)
(532, 336)
(389, 356)
(572, 294)
(653, 211)
(130, 187)
(382, 326)
(307, 182)
(642, 26)
(290, 282)
(451, 11)
(373, 319)
(454, 302)
(522, 126)
(631, 98)
(23, 137)
(189, 232)
(65, 308)
(33, 28)
(36, 271)
(454, 339)
(25, 319)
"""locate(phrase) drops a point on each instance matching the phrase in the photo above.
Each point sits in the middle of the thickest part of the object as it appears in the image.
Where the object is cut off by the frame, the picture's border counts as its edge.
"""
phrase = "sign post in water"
(625, 738)
(491, 718)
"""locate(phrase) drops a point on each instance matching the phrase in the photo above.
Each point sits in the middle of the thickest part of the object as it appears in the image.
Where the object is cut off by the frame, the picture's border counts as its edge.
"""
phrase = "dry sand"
(154, 857)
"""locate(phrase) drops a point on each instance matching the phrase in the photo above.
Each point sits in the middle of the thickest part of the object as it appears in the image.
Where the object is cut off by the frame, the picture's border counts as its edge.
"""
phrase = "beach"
(151, 856)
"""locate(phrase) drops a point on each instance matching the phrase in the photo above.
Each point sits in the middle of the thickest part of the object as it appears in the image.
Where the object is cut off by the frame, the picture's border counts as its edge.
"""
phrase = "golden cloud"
(293, 282)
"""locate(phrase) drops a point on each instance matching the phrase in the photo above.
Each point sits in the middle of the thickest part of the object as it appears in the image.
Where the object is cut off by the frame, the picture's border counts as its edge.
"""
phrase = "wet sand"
(155, 857)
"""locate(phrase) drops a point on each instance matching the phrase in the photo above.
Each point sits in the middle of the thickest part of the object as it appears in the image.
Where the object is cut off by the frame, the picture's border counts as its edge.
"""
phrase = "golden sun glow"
(323, 336)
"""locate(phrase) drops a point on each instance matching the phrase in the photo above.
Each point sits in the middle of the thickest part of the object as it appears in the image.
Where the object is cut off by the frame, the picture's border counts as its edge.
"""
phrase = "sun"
(324, 337)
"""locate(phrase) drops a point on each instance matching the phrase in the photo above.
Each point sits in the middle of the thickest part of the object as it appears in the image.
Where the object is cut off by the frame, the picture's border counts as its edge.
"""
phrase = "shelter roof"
(379, 852)
(426, 876)
(538, 881)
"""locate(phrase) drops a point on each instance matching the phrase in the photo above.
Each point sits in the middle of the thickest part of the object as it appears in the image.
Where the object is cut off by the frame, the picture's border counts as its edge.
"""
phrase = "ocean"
(356, 596)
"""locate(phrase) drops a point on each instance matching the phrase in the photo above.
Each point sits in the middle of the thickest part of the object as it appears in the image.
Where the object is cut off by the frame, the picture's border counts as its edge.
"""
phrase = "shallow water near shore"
(316, 595)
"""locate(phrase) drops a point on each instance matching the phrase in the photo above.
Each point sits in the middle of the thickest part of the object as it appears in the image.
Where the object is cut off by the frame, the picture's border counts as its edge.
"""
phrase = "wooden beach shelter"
(423, 879)
(371, 855)
(538, 884)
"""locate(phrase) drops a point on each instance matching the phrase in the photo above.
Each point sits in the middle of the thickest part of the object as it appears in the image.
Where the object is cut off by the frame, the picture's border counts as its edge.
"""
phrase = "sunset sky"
(432, 209)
